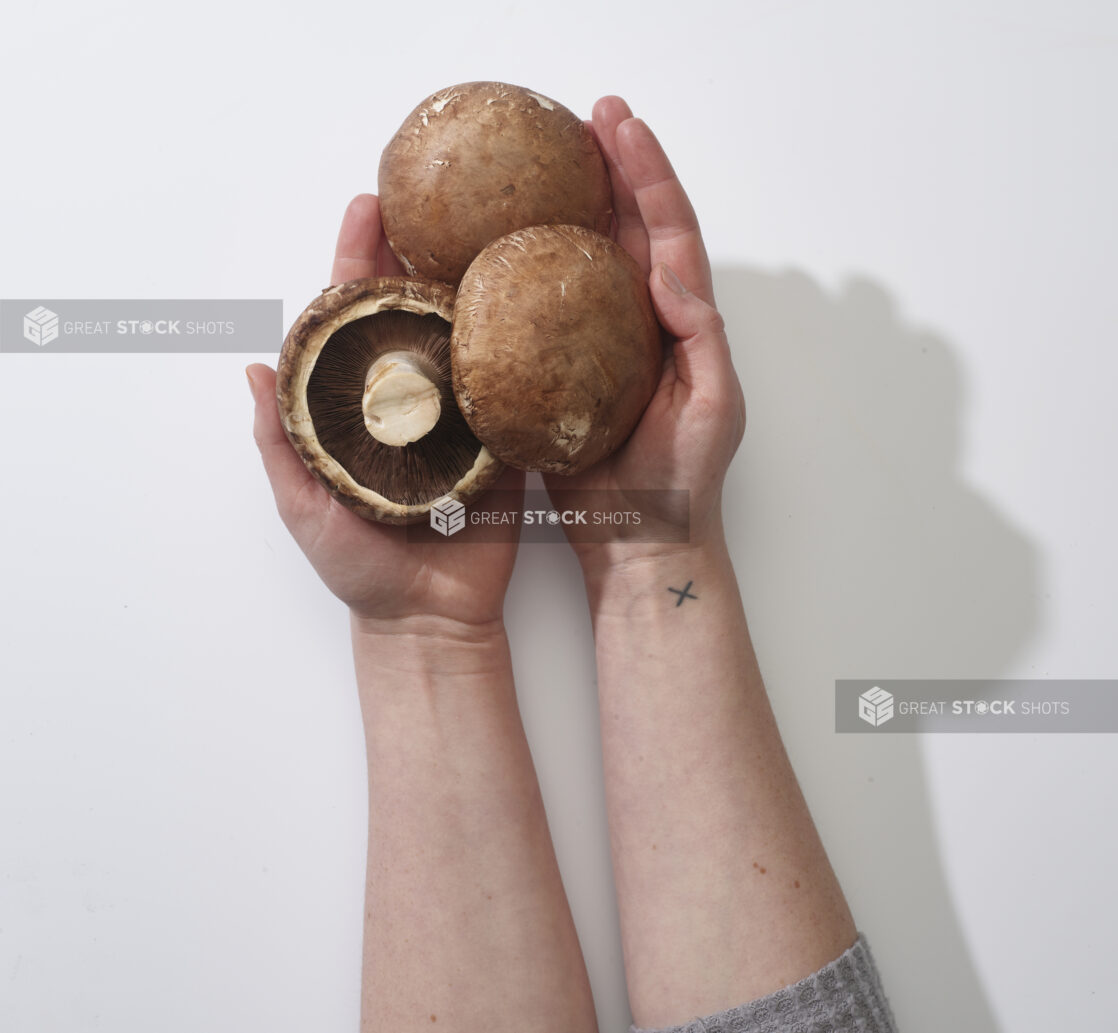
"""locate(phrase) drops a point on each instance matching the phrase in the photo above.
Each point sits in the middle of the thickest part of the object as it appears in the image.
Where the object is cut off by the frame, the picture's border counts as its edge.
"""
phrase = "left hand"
(694, 423)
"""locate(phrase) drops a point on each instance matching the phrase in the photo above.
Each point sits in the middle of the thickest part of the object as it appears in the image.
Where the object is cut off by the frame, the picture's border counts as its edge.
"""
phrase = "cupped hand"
(695, 420)
(374, 568)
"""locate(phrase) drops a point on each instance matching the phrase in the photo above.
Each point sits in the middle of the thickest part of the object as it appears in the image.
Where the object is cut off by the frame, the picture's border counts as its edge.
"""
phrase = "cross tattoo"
(683, 593)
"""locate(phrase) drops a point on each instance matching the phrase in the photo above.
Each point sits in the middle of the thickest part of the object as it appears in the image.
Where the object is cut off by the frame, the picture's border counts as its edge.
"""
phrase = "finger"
(387, 262)
(673, 230)
(702, 352)
(609, 113)
(358, 252)
(286, 472)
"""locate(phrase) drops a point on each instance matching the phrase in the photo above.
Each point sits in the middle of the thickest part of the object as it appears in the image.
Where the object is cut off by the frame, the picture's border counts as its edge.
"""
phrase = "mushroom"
(555, 349)
(479, 160)
(365, 396)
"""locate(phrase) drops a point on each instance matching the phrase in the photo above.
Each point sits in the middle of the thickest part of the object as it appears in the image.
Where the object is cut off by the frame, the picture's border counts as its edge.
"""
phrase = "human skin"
(466, 921)
(724, 889)
(725, 892)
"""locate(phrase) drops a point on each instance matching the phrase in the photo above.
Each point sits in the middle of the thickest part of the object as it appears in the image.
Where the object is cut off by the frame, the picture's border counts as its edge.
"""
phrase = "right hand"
(383, 577)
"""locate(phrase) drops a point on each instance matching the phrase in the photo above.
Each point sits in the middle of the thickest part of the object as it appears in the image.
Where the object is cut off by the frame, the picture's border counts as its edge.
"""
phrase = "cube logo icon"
(875, 706)
(40, 326)
(448, 516)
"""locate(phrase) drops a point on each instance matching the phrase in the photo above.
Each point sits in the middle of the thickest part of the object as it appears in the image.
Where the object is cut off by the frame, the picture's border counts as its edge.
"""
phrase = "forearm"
(724, 888)
(466, 920)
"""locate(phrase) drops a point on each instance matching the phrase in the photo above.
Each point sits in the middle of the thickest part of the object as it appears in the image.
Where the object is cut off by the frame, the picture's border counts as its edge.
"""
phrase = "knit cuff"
(842, 997)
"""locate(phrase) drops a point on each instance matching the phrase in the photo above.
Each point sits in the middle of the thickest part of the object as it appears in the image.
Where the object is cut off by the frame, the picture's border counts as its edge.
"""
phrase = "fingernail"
(671, 281)
(251, 385)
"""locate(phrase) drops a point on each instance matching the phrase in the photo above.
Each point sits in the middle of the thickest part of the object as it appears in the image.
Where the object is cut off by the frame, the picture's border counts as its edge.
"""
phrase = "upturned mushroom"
(365, 396)
(479, 160)
(555, 348)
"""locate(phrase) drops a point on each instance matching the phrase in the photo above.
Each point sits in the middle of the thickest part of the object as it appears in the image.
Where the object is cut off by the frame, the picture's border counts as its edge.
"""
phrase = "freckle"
(488, 896)
(653, 846)
(796, 884)
(762, 871)
(433, 1019)
(754, 864)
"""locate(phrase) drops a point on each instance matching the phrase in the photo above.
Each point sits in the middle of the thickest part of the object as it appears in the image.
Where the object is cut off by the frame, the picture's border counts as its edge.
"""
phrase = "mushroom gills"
(381, 402)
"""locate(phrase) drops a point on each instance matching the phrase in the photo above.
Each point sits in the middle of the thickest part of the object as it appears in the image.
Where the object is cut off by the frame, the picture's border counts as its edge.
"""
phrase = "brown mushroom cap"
(479, 160)
(555, 350)
(371, 357)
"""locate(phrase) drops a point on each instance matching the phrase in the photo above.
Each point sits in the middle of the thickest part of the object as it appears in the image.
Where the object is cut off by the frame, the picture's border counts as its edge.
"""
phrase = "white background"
(911, 210)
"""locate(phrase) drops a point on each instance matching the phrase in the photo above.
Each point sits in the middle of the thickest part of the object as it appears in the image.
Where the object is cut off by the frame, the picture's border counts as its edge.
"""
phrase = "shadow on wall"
(863, 553)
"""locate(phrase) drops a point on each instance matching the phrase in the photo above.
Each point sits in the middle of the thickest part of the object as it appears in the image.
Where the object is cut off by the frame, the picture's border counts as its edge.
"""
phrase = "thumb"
(702, 353)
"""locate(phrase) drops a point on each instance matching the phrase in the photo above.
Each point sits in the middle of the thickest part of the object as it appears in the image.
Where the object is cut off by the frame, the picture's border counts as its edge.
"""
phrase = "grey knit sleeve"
(842, 997)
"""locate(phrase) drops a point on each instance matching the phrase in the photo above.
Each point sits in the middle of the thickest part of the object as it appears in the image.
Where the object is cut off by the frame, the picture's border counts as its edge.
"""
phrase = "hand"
(695, 420)
(373, 568)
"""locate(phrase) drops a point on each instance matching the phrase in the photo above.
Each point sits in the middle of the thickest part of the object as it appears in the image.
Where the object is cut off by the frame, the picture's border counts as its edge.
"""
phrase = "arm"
(466, 921)
(724, 888)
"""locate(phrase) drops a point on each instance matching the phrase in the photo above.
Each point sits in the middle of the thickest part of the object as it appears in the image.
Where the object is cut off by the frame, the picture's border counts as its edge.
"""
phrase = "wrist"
(428, 688)
(634, 580)
(703, 536)
(425, 627)
(424, 652)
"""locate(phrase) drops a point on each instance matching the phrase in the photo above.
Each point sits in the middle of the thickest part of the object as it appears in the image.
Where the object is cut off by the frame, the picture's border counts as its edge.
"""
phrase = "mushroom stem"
(401, 401)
